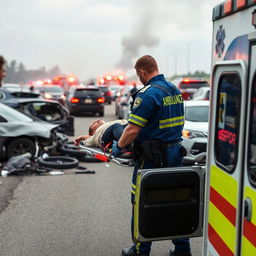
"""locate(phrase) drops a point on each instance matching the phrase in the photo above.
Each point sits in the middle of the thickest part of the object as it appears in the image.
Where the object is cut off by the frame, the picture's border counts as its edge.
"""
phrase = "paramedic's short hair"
(147, 63)
(2, 61)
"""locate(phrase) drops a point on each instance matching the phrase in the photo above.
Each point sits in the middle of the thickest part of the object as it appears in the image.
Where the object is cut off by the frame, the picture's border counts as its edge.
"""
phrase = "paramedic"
(156, 122)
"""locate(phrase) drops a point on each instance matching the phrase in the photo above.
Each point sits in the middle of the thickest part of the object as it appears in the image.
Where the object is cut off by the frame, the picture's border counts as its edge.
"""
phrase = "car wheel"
(70, 149)
(101, 113)
(58, 162)
(20, 146)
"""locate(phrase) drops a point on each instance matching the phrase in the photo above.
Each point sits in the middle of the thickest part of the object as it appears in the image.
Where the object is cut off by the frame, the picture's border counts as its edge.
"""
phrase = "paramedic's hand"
(116, 151)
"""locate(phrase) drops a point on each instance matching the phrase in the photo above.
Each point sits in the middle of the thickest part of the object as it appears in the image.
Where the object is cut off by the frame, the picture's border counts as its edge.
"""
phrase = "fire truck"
(216, 201)
(112, 79)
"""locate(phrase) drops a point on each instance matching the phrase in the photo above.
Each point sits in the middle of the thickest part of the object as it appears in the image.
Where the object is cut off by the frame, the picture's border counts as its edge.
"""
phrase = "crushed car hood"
(14, 129)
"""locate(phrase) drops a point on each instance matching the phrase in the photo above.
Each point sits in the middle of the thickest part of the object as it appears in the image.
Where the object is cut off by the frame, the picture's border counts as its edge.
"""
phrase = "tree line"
(17, 73)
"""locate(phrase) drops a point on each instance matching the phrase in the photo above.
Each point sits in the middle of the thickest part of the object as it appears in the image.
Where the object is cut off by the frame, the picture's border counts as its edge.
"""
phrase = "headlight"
(47, 96)
(189, 134)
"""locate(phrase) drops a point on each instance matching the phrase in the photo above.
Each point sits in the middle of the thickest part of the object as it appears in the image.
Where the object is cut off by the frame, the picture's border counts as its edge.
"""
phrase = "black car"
(53, 92)
(106, 93)
(45, 110)
(20, 134)
(86, 100)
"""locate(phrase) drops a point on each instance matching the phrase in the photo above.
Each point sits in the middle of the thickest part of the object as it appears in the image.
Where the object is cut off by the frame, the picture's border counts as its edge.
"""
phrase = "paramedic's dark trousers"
(174, 159)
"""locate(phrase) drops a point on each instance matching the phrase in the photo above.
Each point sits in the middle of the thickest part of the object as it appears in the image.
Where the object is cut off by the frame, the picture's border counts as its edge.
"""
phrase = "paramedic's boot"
(180, 253)
(131, 252)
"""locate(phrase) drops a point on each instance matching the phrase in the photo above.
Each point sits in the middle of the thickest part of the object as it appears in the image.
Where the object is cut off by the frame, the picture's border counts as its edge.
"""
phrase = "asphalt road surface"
(71, 214)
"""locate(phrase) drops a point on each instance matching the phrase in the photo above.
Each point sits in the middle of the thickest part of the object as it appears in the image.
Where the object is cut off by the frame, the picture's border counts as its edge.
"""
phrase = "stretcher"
(107, 156)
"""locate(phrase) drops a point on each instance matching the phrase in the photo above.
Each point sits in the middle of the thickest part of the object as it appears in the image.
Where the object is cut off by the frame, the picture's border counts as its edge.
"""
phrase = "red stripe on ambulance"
(218, 243)
(228, 210)
(250, 232)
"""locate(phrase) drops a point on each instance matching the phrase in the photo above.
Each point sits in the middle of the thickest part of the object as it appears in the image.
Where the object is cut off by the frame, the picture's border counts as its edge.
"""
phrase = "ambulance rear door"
(225, 158)
(169, 203)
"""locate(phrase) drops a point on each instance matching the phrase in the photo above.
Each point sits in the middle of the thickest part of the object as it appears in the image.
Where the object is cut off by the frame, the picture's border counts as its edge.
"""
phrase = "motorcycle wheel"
(58, 162)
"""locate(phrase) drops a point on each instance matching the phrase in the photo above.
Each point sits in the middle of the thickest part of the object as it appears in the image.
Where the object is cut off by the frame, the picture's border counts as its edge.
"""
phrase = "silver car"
(195, 131)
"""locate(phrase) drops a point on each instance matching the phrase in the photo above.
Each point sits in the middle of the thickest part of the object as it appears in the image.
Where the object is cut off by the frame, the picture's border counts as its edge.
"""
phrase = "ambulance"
(216, 201)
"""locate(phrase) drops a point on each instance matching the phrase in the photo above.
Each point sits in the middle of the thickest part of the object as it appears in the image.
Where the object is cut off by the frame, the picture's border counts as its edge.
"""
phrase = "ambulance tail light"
(74, 100)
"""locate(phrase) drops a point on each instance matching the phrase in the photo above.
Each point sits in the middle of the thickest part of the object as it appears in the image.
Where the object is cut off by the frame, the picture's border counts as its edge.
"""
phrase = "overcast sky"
(90, 38)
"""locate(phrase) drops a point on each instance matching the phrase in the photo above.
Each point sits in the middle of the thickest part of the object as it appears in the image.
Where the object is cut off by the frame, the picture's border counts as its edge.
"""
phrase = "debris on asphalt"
(85, 172)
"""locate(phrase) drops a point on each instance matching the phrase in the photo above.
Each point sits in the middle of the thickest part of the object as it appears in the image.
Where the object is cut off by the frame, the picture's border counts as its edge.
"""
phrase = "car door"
(165, 192)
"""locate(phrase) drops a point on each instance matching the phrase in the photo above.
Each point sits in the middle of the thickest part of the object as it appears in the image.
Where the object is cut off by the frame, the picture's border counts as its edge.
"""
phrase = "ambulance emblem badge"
(220, 36)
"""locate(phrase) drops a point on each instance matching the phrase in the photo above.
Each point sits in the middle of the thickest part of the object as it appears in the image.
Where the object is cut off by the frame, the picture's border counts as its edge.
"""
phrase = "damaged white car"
(20, 134)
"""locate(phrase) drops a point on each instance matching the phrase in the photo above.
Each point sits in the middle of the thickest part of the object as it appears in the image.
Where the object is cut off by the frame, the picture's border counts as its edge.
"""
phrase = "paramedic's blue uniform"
(161, 116)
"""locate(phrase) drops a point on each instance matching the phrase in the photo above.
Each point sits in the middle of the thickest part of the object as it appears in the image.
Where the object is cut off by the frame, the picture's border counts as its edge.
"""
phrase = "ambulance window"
(252, 136)
(228, 118)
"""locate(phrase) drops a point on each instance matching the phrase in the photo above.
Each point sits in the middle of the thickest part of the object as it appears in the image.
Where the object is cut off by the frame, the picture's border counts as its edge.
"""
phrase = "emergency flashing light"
(240, 3)
(108, 77)
(39, 82)
(101, 81)
(254, 18)
(228, 6)
(186, 80)
(121, 77)
(71, 79)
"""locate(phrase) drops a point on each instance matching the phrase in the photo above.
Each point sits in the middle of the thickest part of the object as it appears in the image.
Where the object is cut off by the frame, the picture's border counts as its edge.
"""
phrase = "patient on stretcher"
(102, 133)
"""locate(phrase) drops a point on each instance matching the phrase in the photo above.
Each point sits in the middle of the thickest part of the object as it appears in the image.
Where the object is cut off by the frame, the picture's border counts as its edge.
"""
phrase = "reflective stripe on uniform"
(133, 189)
(137, 248)
(171, 122)
(136, 233)
(137, 120)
